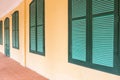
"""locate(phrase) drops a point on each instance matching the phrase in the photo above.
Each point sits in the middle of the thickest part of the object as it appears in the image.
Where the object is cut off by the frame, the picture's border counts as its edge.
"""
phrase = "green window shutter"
(6, 26)
(40, 38)
(40, 7)
(37, 27)
(102, 6)
(94, 34)
(1, 32)
(13, 30)
(17, 39)
(33, 26)
(103, 32)
(40, 26)
(13, 39)
(78, 8)
(33, 39)
(17, 29)
(79, 29)
(33, 13)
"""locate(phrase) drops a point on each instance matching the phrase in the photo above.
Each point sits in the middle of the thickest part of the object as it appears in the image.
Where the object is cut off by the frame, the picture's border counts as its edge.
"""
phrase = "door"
(7, 37)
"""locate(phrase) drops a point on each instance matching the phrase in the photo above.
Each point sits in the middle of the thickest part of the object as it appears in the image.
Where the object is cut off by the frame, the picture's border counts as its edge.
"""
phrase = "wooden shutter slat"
(79, 30)
(103, 33)
(78, 8)
(39, 12)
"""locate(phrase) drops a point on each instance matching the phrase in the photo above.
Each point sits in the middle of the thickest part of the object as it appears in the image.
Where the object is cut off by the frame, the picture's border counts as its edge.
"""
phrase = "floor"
(11, 70)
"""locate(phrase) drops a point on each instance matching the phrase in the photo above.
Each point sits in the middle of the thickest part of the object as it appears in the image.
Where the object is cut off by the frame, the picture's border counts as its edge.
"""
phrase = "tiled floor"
(11, 70)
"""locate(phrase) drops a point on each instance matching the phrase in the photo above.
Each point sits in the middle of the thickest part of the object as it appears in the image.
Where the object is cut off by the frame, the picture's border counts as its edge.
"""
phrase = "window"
(1, 37)
(15, 30)
(94, 34)
(37, 41)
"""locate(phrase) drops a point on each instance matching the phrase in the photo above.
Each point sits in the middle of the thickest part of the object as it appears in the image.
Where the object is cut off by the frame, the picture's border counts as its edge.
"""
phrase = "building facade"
(37, 34)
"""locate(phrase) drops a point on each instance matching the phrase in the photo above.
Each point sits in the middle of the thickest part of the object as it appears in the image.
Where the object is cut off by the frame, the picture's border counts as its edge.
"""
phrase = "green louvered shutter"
(13, 30)
(103, 32)
(33, 26)
(79, 29)
(17, 30)
(7, 34)
(40, 26)
(1, 41)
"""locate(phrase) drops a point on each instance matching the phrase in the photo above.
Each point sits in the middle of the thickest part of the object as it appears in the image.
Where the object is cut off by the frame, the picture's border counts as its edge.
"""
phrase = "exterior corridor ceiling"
(7, 5)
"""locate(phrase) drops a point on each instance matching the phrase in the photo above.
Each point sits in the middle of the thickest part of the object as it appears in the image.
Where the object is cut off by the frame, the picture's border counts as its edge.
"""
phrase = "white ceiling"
(7, 5)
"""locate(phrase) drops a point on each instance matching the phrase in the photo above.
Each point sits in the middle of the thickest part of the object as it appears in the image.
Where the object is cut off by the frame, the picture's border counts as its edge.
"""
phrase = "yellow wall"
(54, 65)
(17, 54)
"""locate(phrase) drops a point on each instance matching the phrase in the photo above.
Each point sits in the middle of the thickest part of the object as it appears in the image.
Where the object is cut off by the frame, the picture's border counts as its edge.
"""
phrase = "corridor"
(11, 70)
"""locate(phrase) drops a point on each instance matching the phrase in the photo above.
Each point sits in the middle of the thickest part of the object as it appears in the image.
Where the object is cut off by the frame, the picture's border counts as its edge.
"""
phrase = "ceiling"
(7, 5)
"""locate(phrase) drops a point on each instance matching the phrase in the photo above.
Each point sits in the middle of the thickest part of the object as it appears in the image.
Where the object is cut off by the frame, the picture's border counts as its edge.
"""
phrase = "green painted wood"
(40, 26)
(79, 30)
(15, 30)
(103, 40)
(37, 41)
(33, 26)
(7, 37)
(102, 34)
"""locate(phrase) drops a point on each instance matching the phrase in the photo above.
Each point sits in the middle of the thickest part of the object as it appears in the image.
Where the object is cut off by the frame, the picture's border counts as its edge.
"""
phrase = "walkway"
(11, 70)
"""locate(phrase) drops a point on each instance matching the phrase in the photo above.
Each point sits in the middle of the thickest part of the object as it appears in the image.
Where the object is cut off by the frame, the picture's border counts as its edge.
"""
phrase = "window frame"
(35, 51)
(16, 31)
(116, 64)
